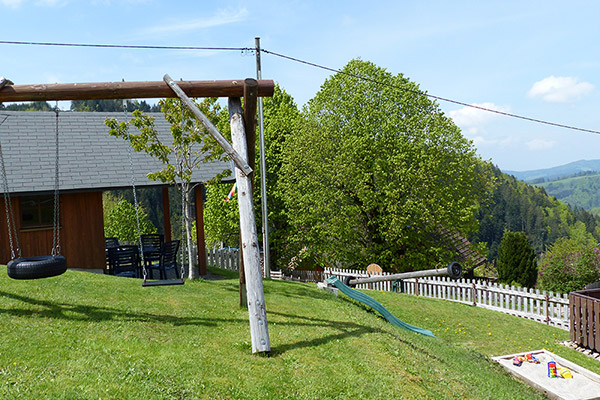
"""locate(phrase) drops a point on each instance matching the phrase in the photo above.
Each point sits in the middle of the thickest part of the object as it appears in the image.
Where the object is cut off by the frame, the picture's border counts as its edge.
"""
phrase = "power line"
(243, 49)
(122, 46)
(539, 121)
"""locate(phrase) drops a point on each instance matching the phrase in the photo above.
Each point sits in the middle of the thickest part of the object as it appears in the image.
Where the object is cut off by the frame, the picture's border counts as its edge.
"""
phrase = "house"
(90, 162)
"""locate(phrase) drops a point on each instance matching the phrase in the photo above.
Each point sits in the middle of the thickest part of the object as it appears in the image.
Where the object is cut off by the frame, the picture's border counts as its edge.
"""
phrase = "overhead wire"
(419, 92)
(312, 64)
(124, 46)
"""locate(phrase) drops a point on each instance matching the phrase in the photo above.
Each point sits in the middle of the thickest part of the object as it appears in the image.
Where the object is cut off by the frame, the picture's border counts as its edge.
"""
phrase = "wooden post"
(249, 246)
(250, 95)
(166, 213)
(200, 230)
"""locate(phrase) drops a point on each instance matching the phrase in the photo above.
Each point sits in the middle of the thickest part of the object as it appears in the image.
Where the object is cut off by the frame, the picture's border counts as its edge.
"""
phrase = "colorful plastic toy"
(532, 359)
(552, 371)
(565, 373)
(517, 361)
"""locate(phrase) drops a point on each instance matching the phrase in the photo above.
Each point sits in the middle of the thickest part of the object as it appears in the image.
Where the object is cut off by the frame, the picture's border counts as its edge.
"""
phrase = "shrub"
(121, 222)
(516, 260)
(569, 265)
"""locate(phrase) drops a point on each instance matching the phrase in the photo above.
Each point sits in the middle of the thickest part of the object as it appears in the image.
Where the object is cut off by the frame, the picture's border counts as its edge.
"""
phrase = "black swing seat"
(36, 267)
(164, 282)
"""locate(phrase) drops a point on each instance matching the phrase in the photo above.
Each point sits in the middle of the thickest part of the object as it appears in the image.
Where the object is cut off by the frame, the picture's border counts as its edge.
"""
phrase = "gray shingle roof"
(89, 157)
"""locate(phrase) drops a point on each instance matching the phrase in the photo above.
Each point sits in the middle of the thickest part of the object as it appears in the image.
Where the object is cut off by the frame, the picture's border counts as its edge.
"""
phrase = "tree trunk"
(192, 271)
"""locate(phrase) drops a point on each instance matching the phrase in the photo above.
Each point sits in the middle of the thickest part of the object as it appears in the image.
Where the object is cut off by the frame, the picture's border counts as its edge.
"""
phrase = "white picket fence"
(228, 259)
(541, 306)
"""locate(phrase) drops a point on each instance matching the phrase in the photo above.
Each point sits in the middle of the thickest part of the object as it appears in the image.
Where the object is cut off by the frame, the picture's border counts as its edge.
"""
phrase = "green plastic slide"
(374, 304)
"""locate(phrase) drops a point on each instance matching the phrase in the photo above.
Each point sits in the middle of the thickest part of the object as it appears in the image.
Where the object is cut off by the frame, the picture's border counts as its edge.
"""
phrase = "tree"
(120, 221)
(569, 265)
(516, 260)
(375, 170)
(222, 219)
(191, 146)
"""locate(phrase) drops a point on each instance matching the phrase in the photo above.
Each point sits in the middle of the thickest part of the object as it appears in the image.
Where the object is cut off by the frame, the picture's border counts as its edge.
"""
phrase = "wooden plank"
(584, 322)
(578, 311)
(572, 317)
(596, 330)
(128, 90)
(249, 244)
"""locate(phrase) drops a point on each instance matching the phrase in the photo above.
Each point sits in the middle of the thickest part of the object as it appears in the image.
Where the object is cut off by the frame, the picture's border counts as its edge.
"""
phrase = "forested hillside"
(518, 206)
(579, 190)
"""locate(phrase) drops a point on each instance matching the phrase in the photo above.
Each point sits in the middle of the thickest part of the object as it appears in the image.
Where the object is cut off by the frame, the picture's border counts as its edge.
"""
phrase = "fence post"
(547, 308)
(473, 294)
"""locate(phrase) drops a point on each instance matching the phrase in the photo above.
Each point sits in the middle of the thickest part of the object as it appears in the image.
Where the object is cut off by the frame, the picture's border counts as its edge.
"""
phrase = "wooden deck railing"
(585, 318)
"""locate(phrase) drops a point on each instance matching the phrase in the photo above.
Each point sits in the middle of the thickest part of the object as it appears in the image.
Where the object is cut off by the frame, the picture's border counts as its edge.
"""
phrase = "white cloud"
(11, 3)
(223, 17)
(560, 89)
(472, 120)
(43, 3)
(540, 144)
(480, 141)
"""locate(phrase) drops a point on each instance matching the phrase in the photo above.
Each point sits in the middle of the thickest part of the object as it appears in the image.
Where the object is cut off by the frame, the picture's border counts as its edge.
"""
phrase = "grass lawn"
(87, 336)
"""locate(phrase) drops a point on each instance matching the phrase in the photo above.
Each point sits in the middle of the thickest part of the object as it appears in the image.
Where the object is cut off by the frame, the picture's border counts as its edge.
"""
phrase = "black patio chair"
(124, 261)
(151, 245)
(167, 260)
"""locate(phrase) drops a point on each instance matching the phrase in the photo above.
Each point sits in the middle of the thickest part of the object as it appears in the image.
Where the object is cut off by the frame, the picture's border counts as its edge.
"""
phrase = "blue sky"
(538, 59)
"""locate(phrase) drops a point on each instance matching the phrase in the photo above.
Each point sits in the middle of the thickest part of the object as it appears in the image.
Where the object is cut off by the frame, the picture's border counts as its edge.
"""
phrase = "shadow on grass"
(344, 330)
(76, 312)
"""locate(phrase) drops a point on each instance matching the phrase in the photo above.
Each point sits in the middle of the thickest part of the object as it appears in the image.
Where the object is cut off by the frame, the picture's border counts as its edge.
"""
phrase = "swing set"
(243, 134)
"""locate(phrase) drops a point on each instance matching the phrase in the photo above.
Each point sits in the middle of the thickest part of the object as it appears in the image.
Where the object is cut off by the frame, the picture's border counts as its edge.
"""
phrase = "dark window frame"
(39, 215)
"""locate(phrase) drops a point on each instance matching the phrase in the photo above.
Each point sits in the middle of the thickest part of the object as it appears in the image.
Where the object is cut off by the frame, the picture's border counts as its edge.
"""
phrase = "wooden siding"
(81, 234)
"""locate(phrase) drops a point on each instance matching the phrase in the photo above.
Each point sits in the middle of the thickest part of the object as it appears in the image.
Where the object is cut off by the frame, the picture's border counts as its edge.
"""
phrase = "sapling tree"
(190, 146)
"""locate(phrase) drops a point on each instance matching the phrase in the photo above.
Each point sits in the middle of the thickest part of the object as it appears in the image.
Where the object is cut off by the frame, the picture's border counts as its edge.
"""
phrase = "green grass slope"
(86, 336)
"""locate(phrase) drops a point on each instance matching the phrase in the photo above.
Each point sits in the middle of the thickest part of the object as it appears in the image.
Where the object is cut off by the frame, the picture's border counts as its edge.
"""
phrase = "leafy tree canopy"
(375, 170)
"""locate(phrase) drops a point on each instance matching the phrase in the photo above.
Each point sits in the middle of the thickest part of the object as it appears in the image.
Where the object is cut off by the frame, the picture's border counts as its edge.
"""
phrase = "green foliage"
(569, 265)
(516, 260)
(221, 218)
(373, 172)
(517, 206)
(33, 106)
(109, 105)
(580, 190)
(120, 221)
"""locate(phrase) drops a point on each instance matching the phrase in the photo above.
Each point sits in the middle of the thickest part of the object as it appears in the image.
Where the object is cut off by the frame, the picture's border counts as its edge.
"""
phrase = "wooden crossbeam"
(128, 90)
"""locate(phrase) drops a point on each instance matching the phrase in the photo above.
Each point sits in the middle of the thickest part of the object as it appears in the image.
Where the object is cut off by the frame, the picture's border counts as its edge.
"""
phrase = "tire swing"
(41, 266)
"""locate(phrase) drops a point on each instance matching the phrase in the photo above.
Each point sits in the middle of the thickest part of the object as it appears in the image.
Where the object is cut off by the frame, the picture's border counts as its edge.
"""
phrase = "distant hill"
(542, 175)
(581, 191)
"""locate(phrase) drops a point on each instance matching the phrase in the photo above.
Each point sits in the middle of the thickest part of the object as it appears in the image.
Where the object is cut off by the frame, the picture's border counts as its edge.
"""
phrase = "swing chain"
(56, 221)
(135, 200)
(10, 222)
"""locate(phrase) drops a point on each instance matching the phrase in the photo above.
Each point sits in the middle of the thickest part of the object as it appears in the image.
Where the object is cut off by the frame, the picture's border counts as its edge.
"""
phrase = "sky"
(537, 59)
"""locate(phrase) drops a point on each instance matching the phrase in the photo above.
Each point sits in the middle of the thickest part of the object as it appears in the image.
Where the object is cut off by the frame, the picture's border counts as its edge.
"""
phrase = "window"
(37, 211)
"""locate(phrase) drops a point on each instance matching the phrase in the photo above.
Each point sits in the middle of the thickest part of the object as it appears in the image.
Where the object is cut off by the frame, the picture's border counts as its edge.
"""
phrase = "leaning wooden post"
(249, 245)
(257, 311)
